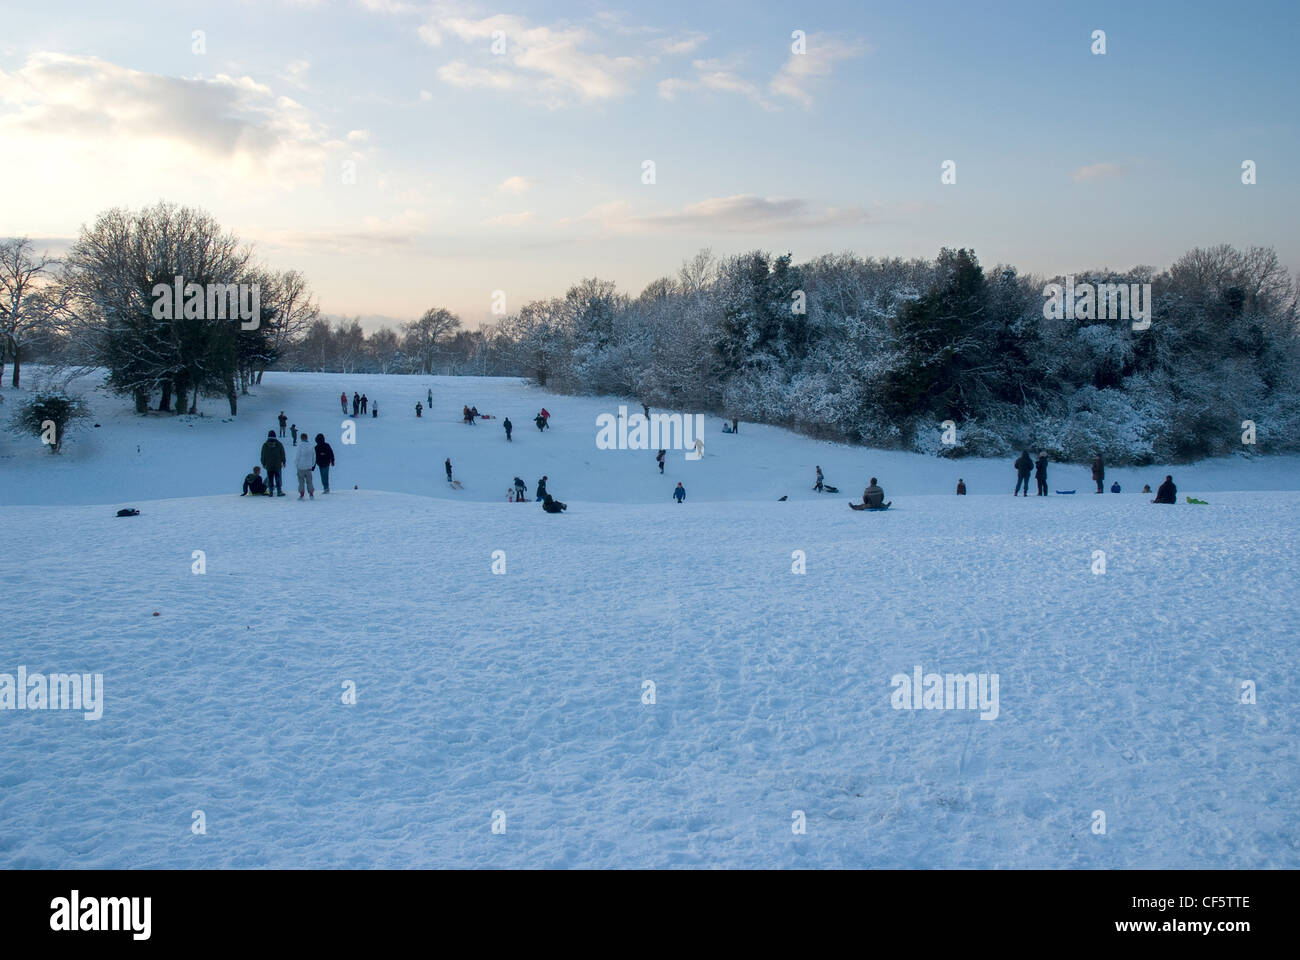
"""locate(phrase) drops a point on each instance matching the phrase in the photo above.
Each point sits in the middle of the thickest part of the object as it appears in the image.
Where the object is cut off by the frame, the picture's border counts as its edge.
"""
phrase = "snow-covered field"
(522, 692)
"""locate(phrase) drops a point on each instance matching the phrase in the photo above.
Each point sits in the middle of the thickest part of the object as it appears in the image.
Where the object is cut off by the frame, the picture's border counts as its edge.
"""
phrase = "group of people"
(274, 459)
(543, 419)
(360, 403)
(518, 493)
(469, 415)
(1025, 465)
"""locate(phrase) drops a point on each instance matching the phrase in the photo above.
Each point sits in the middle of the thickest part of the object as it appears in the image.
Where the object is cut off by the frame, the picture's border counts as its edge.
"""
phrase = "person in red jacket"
(343, 402)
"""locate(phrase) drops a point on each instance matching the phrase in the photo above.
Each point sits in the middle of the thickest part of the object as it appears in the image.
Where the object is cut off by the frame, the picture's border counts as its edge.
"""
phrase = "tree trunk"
(141, 400)
(180, 398)
(259, 376)
(165, 404)
(17, 362)
(232, 395)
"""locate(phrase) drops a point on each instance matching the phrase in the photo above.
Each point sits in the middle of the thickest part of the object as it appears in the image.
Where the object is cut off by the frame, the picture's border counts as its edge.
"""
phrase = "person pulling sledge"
(820, 485)
(447, 466)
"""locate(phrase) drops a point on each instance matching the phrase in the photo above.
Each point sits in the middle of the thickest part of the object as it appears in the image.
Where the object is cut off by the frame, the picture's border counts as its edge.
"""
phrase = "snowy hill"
(524, 692)
(130, 458)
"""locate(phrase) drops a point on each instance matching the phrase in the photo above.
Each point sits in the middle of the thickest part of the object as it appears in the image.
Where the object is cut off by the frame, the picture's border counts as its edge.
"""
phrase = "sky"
(405, 155)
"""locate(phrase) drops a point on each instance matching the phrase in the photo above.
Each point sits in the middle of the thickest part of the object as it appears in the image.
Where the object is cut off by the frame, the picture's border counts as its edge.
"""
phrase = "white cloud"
(802, 71)
(1097, 171)
(295, 72)
(516, 184)
(512, 219)
(461, 74)
(743, 212)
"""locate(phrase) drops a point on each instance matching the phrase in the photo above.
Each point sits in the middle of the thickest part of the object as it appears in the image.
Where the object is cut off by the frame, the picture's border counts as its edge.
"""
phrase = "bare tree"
(422, 337)
(27, 301)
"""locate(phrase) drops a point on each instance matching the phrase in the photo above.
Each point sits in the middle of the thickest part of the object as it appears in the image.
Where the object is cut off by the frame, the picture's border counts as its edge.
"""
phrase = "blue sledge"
(1064, 492)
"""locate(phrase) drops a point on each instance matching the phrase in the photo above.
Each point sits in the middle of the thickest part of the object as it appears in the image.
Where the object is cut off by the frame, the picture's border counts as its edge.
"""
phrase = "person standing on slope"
(356, 403)
(293, 432)
(284, 421)
(324, 460)
(679, 493)
(819, 486)
(1024, 467)
(419, 408)
(659, 459)
(273, 460)
(305, 462)
(521, 490)
(447, 466)
(1166, 492)
(343, 402)
(961, 487)
(430, 398)
(1040, 473)
(1098, 472)
(509, 427)
(541, 489)
(364, 401)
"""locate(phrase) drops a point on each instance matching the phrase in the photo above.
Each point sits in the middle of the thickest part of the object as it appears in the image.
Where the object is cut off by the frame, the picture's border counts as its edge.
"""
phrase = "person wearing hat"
(273, 459)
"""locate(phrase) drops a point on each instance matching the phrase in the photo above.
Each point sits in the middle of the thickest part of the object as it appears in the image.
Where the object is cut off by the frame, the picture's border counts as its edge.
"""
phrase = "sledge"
(456, 484)
(827, 488)
(1204, 503)
(1064, 493)
(863, 506)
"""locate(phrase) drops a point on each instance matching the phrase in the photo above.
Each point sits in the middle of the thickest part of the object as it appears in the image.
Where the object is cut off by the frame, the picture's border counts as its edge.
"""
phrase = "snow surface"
(522, 692)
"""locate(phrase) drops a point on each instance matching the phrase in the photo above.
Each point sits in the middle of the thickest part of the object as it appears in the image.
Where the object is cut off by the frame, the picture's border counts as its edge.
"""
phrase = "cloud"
(717, 75)
(679, 46)
(802, 71)
(400, 231)
(743, 212)
(512, 219)
(516, 184)
(228, 125)
(461, 74)
(295, 72)
(1097, 171)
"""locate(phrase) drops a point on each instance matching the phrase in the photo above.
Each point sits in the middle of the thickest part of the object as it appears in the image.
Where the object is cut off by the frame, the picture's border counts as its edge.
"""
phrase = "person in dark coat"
(284, 421)
(293, 432)
(1167, 492)
(356, 403)
(324, 460)
(1024, 467)
(1114, 487)
(1040, 473)
(509, 427)
(659, 459)
(273, 460)
(521, 490)
(447, 466)
(541, 489)
(540, 421)
(679, 494)
(819, 486)
(419, 408)
(1099, 472)
(364, 402)
(961, 487)
(254, 484)
(430, 398)
(873, 496)
(551, 505)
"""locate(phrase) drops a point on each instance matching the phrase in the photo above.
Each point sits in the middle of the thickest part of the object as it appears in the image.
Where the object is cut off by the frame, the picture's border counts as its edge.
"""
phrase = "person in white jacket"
(305, 461)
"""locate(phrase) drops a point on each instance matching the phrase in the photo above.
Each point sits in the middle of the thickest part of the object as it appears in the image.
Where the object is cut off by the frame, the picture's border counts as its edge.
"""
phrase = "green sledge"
(1203, 503)
(863, 506)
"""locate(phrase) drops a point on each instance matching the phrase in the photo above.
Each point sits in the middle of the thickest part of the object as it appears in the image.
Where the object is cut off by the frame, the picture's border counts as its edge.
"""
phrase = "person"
(293, 432)
(541, 489)
(699, 449)
(873, 496)
(343, 402)
(1168, 493)
(540, 421)
(324, 460)
(645, 408)
(551, 505)
(254, 484)
(305, 462)
(447, 466)
(961, 487)
(356, 403)
(679, 494)
(510, 494)
(464, 413)
(473, 415)
(726, 427)
(1146, 488)
(659, 459)
(1040, 473)
(1098, 472)
(735, 425)
(374, 410)
(430, 398)
(546, 415)
(419, 408)
(819, 486)
(283, 422)
(273, 460)
(364, 401)
(1024, 467)
(1114, 487)
(509, 426)
(521, 490)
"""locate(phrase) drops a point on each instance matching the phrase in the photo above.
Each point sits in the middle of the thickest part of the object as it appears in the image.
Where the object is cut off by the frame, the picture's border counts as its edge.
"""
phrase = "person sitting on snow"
(551, 505)
(1168, 493)
(874, 496)
(254, 484)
